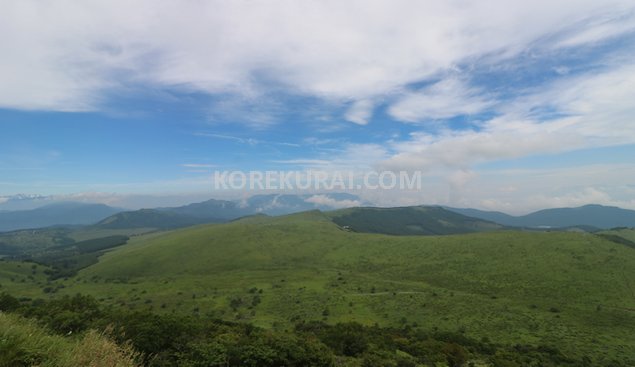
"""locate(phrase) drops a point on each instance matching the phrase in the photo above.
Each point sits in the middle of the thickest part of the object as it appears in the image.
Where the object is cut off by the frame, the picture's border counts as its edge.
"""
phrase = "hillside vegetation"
(148, 218)
(570, 291)
(420, 220)
(626, 233)
(199, 340)
(24, 343)
(30, 241)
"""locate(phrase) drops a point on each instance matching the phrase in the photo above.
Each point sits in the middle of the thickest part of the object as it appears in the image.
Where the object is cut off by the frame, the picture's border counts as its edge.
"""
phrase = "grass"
(23, 343)
(34, 239)
(42, 239)
(89, 233)
(569, 290)
(626, 233)
(409, 221)
(22, 278)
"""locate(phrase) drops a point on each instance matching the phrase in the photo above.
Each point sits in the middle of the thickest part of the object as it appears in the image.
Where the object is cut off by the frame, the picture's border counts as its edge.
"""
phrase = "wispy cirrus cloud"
(248, 141)
(594, 29)
(444, 99)
(590, 111)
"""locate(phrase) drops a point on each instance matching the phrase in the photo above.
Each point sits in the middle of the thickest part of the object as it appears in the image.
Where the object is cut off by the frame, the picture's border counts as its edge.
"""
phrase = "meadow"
(572, 291)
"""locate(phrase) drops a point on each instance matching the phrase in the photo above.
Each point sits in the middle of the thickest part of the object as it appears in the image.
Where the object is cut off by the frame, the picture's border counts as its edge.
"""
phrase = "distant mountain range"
(218, 211)
(210, 211)
(598, 216)
(408, 221)
(55, 214)
(22, 202)
(417, 220)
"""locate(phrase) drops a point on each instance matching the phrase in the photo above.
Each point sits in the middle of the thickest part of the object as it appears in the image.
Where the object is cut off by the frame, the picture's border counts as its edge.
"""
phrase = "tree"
(455, 354)
(8, 303)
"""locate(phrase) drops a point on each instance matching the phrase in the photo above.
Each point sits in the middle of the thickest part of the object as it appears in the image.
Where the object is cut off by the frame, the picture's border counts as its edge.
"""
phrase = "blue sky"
(503, 105)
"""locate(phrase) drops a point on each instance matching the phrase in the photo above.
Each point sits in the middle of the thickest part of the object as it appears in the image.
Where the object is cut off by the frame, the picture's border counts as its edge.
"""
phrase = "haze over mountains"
(70, 213)
(407, 220)
(210, 211)
(598, 216)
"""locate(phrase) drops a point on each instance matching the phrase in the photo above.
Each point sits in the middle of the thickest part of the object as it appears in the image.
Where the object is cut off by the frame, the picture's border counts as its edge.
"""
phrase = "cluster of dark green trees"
(67, 259)
(177, 340)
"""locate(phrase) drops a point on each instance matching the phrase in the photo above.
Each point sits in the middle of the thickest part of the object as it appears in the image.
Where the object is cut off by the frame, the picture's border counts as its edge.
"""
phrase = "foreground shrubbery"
(24, 343)
(173, 340)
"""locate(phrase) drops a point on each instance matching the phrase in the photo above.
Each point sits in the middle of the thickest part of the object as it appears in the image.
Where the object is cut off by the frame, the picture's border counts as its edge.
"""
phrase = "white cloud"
(518, 191)
(535, 189)
(69, 56)
(445, 99)
(596, 110)
(578, 112)
(596, 29)
(248, 141)
(591, 111)
(351, 158)
(360, 112)
(324, 200)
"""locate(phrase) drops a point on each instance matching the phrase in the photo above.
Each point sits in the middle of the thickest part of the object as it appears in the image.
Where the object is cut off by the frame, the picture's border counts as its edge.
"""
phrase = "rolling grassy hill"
(30, 241)
(568, 290)
(624, 236)
(148, 218)
(626, 233)
(419, 220)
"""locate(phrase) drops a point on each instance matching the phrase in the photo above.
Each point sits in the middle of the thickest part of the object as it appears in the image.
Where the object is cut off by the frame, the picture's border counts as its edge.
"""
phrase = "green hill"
(624, 236)
(148, 218)
(565, 289)
(33, 241)
(626, 233)
(420, 220)
(569, 291)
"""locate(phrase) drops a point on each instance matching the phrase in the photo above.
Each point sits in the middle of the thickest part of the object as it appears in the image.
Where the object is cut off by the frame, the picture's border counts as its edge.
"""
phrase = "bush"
(23, 343)
(8, 303)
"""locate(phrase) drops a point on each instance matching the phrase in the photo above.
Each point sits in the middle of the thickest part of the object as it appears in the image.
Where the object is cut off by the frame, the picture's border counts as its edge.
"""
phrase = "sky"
(503, 105)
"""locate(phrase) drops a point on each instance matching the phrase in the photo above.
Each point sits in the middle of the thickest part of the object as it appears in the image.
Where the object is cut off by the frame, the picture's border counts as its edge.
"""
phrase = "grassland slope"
(573, 291)
(417, 220)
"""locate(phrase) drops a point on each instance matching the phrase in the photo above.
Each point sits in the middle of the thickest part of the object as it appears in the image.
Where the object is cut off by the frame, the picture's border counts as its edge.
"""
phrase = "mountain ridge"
(413, 220)
(218, 211)
(595, 215)
(62, 213)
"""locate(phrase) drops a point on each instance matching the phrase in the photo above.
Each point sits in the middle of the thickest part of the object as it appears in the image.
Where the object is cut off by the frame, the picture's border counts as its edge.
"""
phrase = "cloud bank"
(71, 56)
